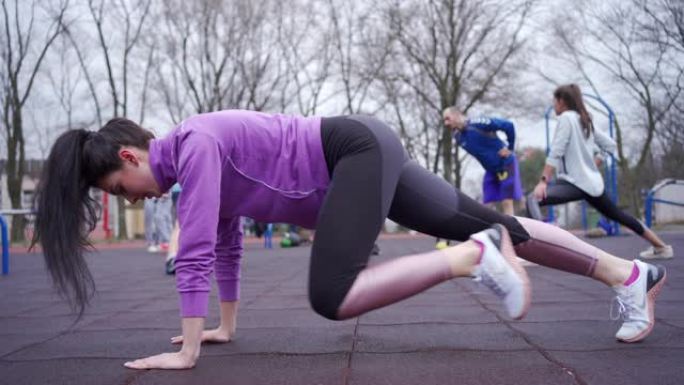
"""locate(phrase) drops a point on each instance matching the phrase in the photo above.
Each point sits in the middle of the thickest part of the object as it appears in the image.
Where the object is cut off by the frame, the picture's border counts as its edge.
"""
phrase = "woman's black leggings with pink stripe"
(372, 178)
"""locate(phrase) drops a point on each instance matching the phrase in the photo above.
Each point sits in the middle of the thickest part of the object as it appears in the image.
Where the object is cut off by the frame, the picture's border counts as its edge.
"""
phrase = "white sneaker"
(636, 302)
(665, 252)
(153, 249)
(500, 271)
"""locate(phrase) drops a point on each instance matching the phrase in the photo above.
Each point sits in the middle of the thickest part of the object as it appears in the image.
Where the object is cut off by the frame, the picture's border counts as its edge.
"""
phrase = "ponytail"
(571, 95)
(66, 213)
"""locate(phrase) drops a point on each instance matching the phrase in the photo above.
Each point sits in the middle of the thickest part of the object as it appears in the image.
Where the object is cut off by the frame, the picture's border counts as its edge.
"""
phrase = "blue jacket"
(479, 139)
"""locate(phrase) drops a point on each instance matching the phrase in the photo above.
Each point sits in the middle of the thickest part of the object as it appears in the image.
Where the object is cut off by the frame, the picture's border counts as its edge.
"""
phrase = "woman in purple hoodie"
(341, 176)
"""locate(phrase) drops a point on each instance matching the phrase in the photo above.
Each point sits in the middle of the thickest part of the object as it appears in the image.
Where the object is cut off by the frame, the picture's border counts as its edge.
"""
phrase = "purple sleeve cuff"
(194, 304)
(229, 289)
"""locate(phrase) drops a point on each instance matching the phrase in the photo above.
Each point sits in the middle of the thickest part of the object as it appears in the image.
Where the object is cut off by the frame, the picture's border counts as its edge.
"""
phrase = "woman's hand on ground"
(217, 335)
(540, 191)
(177, 360)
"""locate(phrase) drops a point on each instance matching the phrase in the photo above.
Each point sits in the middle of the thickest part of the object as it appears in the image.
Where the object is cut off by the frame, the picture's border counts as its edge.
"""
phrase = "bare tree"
(671, 140)
(307, 54)
(22, 57)
(130, 19)
(64, 83)
(456, 52)
(613, 39)
(664, 26)
(360, 53)
(86, 71)
(197, 68)
(261, 66)
(663, 23)
(217, 54)
(61, 94)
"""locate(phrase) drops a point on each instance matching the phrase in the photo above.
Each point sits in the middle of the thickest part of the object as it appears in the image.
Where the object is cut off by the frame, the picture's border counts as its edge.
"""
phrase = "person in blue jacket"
(479, 138)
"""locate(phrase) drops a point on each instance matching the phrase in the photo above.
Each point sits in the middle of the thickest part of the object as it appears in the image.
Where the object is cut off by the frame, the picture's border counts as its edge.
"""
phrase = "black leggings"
(562, 191)
(372, 178)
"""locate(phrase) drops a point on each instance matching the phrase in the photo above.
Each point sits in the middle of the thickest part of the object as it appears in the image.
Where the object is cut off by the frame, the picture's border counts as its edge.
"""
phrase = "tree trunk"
(447, 157)
(15, 169)
(457, 168)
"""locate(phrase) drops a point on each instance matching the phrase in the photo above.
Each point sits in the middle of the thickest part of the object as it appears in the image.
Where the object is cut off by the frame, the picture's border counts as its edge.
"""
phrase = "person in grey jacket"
(571, 157)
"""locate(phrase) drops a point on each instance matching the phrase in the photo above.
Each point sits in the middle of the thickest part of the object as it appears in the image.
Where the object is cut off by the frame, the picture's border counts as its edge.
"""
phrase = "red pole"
(105, 215)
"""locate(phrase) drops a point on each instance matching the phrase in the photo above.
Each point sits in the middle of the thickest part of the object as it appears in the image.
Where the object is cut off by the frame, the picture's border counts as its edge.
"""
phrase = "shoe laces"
(624, 303)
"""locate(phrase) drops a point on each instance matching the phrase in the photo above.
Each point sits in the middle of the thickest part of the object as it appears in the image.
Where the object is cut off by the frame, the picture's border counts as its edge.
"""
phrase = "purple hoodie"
(230, 164)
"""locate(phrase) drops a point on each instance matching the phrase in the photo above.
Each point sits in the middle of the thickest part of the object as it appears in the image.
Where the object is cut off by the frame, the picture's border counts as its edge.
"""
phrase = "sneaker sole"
(652, 294)
(509, 253)
(656, 257)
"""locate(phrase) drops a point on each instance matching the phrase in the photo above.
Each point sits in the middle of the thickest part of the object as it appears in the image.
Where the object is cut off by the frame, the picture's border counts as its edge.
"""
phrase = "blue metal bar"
(668, 202)
(550, 218)
(649, 209)
(650, 199)
(547, 116)
(585, 222)
(5, 246)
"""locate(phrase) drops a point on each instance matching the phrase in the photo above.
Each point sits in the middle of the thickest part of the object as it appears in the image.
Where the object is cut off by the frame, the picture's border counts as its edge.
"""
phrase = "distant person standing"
(170, 262)
(158, 223)
(479, 138)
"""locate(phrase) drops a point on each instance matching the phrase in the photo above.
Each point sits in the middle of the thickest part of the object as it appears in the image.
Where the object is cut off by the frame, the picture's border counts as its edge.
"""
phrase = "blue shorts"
(505, 184)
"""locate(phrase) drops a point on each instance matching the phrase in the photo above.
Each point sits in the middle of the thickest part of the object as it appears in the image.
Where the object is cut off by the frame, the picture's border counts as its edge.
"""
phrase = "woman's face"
(134, 180)
(559, 106)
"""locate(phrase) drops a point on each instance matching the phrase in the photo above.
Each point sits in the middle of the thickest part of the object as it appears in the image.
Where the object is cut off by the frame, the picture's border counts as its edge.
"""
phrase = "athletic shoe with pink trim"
(636, 302)
(500, 271)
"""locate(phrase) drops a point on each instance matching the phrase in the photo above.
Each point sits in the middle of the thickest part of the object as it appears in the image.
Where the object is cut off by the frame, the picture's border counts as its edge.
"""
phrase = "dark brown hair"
(65, 211)
(571, 95)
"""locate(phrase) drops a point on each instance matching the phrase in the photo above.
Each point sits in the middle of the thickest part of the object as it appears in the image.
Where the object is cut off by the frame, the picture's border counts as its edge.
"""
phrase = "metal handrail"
(650, 199)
